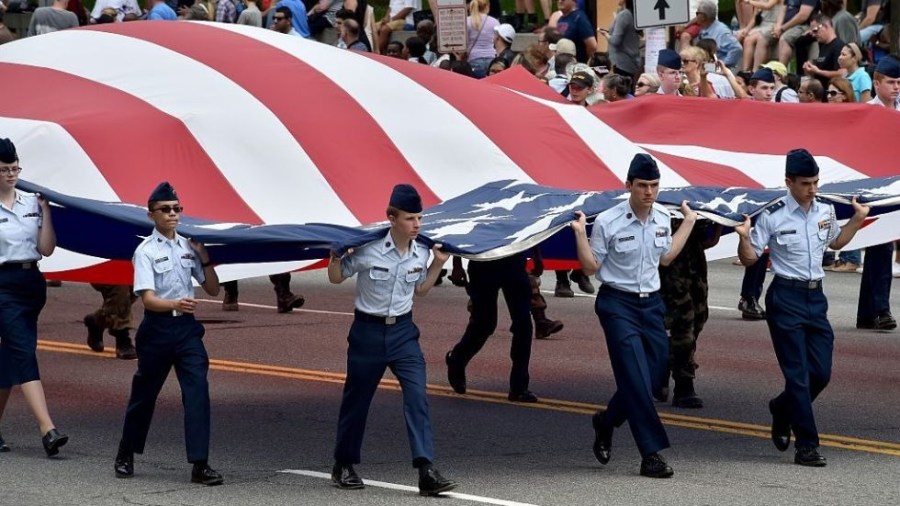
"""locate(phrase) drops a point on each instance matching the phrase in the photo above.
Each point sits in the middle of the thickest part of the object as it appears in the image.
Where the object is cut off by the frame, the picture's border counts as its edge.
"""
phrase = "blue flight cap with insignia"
(8, 151)
(801, 164)
(163, 191)
(643, 166)
(763, 74)
(889, 66)
(405, 198)
(669, 59)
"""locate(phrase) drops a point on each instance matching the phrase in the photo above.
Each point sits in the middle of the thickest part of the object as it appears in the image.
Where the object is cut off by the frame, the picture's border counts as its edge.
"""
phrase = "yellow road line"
(558, 405)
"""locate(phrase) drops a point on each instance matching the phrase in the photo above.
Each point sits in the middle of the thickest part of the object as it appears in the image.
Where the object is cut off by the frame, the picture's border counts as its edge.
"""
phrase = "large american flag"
(255, 127)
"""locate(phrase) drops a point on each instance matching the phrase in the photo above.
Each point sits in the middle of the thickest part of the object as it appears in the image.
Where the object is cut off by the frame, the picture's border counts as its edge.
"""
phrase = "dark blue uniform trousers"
(486, 280)
(639, 353)
(754, 277)
(23, 293)
(875, 285)
(373, 347)
(162, 343)
(803, 342)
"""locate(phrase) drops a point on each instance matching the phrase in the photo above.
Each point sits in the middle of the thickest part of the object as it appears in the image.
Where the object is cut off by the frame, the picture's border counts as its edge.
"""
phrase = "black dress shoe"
(456, 375)
(95, 333)
(884, 321)
(3, 447)
(346, 478)
(432, 483)
(750, 309)
(654, 466)
(602, 438)
(124, 464)
(809, 456)
(527, 397)
(781, 428)
(202, 473)
(53, 440)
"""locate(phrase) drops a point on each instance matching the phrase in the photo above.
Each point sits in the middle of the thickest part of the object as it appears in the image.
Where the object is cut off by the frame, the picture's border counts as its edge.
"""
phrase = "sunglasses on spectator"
(833, 93)
(279, 18)
(10, 171)
(169, 209)
(642, 85)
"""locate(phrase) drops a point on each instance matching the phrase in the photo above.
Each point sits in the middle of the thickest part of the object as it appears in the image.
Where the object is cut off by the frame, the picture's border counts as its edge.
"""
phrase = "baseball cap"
(777, 67)
(565, 46)
(582, 78)
(506, 32)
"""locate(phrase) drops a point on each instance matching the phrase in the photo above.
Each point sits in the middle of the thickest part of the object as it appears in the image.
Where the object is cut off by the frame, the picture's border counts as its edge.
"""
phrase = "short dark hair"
(562, 61)
(814, 87)
(287, 12)
(345, 14)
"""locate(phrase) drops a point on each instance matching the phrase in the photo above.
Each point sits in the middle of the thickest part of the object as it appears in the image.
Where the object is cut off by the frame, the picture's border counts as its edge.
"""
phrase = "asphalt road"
(276, 386)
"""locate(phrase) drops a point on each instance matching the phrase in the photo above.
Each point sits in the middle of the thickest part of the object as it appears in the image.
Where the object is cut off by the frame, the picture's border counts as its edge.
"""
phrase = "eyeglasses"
(10, 171)
(642, 85)
(169, 209)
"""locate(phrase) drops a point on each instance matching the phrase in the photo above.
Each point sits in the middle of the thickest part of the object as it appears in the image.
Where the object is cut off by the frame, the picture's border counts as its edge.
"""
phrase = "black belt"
(165, 314)
(636, 295)
(798, 283)
(384, 320)
(18, 266)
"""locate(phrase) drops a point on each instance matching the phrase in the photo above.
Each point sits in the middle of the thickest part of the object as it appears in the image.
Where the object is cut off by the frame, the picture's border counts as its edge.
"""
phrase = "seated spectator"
(503, 38)
(426, 31)
(497, 65)
(646, 83)
(783, 92)
(757, 39)
(825, 65)
(840, 91)
(850, 60)
(616, 88)
(415, 48)
(871, 23)
(399, 17)
(395, 49)
(729, 49)
(811, 91)
(792, 25)
(350, 36)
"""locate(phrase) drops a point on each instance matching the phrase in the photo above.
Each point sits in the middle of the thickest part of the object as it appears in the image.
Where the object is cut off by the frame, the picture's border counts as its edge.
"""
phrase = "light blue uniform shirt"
(387, 281)
(796, 239)
(166, 267)
(19, 229)
(628, 251)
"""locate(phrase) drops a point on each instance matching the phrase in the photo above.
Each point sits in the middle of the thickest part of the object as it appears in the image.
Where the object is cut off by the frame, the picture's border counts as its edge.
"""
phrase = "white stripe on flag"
(221, 115)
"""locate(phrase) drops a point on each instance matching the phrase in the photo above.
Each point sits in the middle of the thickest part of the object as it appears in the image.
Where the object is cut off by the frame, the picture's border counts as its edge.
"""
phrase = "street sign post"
(650, 13)
(451, 26)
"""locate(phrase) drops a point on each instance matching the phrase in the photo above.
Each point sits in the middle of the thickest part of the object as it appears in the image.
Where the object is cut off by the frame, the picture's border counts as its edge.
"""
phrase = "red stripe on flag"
(699, 173)
(532, 135)
(103, 120)
(340, 137)
(766, 128)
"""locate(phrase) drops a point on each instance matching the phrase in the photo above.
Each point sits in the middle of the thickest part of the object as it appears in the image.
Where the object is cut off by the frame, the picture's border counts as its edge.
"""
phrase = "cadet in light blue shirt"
(170, 336)
(391, 270)
(627, 246)
(797, 229)
(26, 235)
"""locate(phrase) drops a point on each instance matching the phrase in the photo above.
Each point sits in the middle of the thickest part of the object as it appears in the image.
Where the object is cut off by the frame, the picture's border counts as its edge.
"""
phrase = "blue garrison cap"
(8, 151)
(889, 66)
(763, 74)
(801, 164)
(405, 198)
(163, 191)
(669, 58)
(643, 166)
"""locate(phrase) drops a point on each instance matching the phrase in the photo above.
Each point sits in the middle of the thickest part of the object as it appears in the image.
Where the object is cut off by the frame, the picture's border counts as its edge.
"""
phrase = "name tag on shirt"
(4, 220)
(187, 256)
(31, 215)
(786, 232)
(415, 269)
(662, 232)
(824, 224)
(160, 260)
(380, 269)
(626, 238)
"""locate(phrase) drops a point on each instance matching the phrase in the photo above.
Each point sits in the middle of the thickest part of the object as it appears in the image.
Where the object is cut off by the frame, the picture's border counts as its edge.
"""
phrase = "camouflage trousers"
(687, 310)
(115, 313)
(537, 300)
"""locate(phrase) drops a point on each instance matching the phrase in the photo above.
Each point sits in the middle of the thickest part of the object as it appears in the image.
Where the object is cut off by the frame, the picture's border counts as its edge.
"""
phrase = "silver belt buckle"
(176, 312)
(813, 285)
(390, 320)
(643, 295)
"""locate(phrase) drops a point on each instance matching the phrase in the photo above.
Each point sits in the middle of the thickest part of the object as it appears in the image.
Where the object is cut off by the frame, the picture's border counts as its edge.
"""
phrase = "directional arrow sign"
(661, 6)
(650, 13)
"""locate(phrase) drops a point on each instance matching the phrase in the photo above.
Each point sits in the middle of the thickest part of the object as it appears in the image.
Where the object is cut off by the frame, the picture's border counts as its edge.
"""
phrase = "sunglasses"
(642, 85)
(833, 93)
(169, 209)
(278, 18)
(10, 171)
